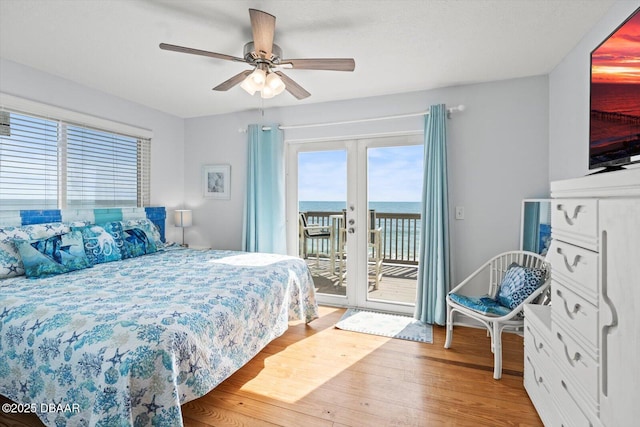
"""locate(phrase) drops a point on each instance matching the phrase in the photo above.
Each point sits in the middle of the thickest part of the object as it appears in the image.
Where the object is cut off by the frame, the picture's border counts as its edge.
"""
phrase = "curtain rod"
(373, 119)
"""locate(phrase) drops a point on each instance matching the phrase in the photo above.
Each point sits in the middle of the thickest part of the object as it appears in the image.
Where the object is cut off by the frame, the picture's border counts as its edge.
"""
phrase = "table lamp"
(183, 218)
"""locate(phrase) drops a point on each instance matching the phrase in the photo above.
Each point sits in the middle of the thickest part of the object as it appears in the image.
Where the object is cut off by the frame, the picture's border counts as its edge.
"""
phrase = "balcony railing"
(400, 235)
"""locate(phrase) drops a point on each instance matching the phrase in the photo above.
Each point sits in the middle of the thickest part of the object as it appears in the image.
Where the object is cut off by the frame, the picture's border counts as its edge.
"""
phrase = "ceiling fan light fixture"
(258, 77)
(274, 83)
(248, 86)
(267, 93)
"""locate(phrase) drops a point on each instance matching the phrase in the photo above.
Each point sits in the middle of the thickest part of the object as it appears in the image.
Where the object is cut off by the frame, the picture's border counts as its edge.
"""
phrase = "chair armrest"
(317, 228)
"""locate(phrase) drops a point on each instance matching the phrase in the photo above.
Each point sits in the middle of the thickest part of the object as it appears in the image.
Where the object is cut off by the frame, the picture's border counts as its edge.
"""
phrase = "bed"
(127, 342)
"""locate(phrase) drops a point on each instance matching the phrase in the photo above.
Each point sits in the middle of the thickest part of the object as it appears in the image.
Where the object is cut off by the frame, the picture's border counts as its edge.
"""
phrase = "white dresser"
(582, 354)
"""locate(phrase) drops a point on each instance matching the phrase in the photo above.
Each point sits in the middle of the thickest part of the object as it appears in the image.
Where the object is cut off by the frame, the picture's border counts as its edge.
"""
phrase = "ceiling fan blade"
(332, 64)
(294, 88)
(228, 84)
(183, 49)
(263, 26)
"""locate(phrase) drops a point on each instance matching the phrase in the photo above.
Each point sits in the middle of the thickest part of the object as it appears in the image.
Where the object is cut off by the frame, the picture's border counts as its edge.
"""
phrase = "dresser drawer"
(576, 221)
(575, 266)
(580, 366)
(537, 346)
(576, 313)
(539, 365)
(537, 378)
(570, 411)
(538, 383)
(537, 334)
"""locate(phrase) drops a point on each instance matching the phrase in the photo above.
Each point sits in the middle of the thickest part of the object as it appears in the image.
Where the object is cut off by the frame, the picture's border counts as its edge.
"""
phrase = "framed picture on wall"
(216, 181)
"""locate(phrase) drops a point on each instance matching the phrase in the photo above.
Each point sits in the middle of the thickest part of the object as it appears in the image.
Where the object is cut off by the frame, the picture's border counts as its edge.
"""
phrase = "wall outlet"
(459, 212)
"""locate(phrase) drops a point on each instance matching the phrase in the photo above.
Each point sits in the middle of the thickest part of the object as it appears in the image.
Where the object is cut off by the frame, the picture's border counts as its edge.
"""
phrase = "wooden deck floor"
(398, 281)
(317, 375)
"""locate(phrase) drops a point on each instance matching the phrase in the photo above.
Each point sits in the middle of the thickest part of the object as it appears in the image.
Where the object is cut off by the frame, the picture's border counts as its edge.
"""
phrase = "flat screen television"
(614, 125)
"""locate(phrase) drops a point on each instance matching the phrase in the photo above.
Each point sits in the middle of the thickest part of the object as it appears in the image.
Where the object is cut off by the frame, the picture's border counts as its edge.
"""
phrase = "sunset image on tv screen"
(615, 94)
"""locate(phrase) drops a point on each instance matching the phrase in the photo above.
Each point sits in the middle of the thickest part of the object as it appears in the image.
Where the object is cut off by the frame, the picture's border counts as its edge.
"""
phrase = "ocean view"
(384, 207)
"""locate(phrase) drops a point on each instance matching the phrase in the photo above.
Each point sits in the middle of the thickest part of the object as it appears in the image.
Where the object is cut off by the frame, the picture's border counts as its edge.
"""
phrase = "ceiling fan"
(266, 59)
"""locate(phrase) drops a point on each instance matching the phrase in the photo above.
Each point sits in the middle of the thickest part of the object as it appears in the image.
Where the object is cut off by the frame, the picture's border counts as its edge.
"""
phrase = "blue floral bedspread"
(126, 343)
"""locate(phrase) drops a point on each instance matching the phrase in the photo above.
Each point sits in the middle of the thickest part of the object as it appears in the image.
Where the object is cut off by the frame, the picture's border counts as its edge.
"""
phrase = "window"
(49, 164)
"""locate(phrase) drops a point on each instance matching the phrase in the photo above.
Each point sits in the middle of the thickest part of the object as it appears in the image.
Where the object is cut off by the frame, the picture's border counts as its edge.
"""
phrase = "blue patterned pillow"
(53, 255)
(518, 283)
(115, 230)
(10, 262)
(137, 242)
(147, 226)
(100, 245)
(484, 304)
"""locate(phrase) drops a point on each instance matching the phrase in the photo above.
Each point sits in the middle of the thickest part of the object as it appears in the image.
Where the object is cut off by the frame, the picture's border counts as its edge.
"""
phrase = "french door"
(352, 214)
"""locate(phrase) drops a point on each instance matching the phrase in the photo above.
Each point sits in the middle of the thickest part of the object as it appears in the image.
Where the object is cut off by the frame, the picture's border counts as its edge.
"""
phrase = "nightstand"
(199, 248)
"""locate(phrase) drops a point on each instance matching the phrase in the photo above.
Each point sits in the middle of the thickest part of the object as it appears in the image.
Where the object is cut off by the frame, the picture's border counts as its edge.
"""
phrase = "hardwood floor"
(316, 375)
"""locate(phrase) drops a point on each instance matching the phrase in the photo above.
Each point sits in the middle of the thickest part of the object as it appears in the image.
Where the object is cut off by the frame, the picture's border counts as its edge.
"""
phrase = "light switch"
(459, 212)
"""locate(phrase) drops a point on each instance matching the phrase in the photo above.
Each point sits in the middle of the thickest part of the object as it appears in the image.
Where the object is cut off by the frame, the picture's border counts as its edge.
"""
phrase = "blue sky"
(395, 174)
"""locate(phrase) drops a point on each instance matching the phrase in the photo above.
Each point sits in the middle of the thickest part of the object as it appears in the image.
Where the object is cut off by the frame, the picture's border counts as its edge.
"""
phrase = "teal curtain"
(433, 268)
(264, 211)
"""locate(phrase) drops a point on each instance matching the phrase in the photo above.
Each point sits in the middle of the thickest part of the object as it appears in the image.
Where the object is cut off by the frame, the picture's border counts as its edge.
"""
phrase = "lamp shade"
(267, 92)
(248, 86)
(258, 77)
(275, 83)
(254, 81)
(183, 218)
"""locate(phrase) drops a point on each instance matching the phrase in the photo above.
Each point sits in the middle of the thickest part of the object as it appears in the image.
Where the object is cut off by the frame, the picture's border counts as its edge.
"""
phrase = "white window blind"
(144, 172)
(29, 163)
(48, 164)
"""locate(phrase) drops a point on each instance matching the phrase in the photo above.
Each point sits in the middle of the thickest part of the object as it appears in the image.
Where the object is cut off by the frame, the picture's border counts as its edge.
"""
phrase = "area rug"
(386, 325)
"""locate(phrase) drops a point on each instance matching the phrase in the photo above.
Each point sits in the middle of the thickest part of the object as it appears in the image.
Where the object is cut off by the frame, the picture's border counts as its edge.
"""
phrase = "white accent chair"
(513, 320)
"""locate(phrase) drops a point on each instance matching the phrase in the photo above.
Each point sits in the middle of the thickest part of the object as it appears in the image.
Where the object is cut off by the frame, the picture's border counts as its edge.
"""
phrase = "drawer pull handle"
(571, 267)
(538, 346)
(535, 342)
(576, 307)
(570, 219)
(537, 378)
(572, 360)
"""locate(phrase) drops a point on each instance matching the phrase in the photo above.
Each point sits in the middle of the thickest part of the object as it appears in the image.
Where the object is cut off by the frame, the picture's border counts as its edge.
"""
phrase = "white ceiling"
(398, 46)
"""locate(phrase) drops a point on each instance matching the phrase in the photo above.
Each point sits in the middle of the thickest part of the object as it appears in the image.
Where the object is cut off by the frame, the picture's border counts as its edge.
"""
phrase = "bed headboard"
(157, 215)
